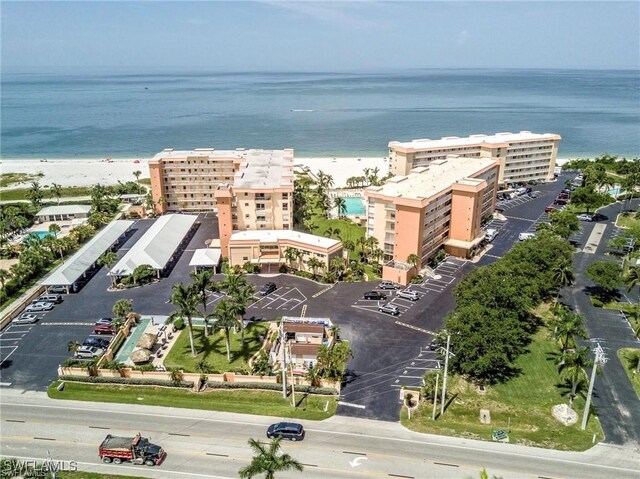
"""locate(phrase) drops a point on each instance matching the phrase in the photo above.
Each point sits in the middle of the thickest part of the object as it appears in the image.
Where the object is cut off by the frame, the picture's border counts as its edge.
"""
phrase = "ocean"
(101, 113)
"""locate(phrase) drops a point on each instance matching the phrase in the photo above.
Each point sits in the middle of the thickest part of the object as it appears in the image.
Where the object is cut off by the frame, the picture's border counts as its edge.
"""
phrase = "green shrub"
(304, 274)
(417, 279)
(283, 269)
(71, 362)
(145, 367)
(178, 324)
(128, 381)
(272, 387)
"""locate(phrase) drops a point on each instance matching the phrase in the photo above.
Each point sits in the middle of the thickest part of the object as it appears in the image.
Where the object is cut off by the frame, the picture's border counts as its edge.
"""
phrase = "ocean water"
(100, 113)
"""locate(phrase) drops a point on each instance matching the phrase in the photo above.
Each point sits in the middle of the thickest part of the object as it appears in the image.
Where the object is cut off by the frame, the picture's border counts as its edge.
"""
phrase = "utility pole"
(284, 360)
(444, 379)
(435, 398)
(293, 389)
(600, 358)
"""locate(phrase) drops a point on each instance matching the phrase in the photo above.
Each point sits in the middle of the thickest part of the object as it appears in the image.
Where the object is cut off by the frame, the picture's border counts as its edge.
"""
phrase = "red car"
(549, 209)
(103, 329)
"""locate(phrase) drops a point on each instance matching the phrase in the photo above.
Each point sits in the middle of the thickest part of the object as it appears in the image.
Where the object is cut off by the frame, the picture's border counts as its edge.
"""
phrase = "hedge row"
(272, 387)
(128, 381)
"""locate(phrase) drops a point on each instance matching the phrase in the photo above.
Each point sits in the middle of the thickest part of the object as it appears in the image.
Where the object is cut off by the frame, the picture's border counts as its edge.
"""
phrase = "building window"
(246, 204)
(245, 258)
(246, 216)
(285, 206)
(285, 196)
(285, 226)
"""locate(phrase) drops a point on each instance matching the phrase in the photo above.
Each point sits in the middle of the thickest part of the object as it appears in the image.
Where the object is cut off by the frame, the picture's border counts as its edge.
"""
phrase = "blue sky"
(326, 36)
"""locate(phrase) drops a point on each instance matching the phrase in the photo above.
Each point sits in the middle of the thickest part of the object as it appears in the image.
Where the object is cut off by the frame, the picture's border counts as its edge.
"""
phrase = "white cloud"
(342, 14)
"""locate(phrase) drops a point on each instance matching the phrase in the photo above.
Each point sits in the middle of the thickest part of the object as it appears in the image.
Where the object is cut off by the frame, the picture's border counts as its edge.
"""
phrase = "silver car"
(409, 294)
(39, 306)
(389, 309)
(25, 319)
(88, 352)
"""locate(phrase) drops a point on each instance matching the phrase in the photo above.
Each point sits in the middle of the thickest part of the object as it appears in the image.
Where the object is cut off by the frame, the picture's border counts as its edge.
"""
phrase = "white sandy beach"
(86, 172)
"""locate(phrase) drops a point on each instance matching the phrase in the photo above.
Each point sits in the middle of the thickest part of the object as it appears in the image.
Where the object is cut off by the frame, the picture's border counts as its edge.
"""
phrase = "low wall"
(194, 377)
(19, 307)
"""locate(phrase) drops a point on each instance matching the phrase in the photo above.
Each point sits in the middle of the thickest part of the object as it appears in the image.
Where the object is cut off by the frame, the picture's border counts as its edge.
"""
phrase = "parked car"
(409, 294)
(267, 288)
(103, 329)
(560, 201)
(57, 289)
(526, 236)
(585, 217)
(104, 321)
(374, 295)
(50, 298)
(433, 345)
(549, 209)
(88, 352)
(39, 306)
(96, 341)
(490, 235)
(535, 194)
(388, 285)
(389, 309)
(286, 430)
(26, 318)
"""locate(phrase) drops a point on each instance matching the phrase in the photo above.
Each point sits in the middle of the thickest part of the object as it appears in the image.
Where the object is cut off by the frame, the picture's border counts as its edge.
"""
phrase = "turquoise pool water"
(614, 191)
(354, 206)
(41, 234)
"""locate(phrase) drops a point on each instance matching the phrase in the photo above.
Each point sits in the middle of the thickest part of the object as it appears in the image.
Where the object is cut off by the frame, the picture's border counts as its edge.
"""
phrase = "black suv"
(374, 295)
(286, 430)
(96, 341)
(267, 289)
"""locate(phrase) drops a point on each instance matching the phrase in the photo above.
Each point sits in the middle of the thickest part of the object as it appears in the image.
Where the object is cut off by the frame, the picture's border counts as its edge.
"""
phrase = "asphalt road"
(210, 444)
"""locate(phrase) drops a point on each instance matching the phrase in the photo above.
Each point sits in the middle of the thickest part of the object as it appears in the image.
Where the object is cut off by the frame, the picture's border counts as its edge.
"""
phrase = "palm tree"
(314, 263)
(313, 376)
(290, 254)
(632, 278)
(201, 283)
(567, 326)
(56, 191)
(413, 259)
(107, 259)
(137, 174)
(73, 346)
(234, 282)
(226, 319)
(35, 194)
(341, 205)
(241, 299)
(268, 460)
(347, 246)
(335, 332)
(54, 228)
(572, 369)
(330, 232)
(562, 276)
(4, 276)
(122, 307)
(185, 299)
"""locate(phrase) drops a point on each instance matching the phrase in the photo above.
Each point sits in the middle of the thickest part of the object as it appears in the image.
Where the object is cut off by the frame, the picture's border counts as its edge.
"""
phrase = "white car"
(585, 217)
(25, 319)
(39, 306)
(490, 235)
(88, 352)
(526, 236)
(408, 294)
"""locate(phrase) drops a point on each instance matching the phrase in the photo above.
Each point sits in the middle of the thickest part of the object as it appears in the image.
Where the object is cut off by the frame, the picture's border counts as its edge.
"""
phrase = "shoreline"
(90, 171)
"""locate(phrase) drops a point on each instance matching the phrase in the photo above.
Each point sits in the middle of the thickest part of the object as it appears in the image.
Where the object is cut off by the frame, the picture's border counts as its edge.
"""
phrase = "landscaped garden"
(211, 350)
(630, 359)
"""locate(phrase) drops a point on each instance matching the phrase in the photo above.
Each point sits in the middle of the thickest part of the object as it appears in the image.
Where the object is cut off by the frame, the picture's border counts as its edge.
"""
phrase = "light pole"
(600, 358)
(444, 378)
(284, 360)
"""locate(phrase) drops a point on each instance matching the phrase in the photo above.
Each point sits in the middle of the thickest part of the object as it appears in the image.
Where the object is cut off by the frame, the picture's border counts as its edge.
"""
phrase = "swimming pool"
(614, 191)
(354, 206)
(41, 234)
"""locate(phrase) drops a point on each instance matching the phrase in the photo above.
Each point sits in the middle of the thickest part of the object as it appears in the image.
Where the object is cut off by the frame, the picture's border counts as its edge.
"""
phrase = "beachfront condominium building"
(523, 156)
(432, 206)
(249, 189)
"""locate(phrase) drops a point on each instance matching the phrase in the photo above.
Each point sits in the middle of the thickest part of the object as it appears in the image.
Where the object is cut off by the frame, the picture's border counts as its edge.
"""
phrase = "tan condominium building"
(438, 205)
(523, 156)
(276, 247)
(250, 189)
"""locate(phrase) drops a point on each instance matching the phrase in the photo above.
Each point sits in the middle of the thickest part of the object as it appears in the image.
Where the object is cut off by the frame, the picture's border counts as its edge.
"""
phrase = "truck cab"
(137, 450)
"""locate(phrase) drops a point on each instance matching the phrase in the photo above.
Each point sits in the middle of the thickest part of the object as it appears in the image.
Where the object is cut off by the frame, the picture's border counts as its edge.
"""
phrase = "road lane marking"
(350, 404)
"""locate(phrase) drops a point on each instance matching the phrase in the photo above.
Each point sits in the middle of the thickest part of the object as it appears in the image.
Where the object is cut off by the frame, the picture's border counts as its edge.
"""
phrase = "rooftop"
(274, 236)
(257, 168)
(449, 141)
(303, 328)
(64, 210)
(426, 181)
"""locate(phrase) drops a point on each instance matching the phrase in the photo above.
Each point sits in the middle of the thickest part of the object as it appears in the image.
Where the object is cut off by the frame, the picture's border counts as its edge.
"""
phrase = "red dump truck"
(137, 450)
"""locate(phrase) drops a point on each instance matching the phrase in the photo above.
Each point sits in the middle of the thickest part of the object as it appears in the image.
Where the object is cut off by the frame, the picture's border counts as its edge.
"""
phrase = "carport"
(157, 246)
(86, 257)
(206, 258)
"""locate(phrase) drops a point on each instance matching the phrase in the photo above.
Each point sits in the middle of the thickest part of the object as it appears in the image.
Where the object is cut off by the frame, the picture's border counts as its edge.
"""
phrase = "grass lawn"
(145, 181)
(21, 193)
(522, 405)
(265, 403)
(213, 349)
(625, 355)
(627, 220)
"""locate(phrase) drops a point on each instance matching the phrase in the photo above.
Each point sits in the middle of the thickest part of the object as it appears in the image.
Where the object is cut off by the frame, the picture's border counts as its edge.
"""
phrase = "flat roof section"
(157, 245)
(64, 210)
(68, 272)
(452, 141)
(273, 236)
(426, 181)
